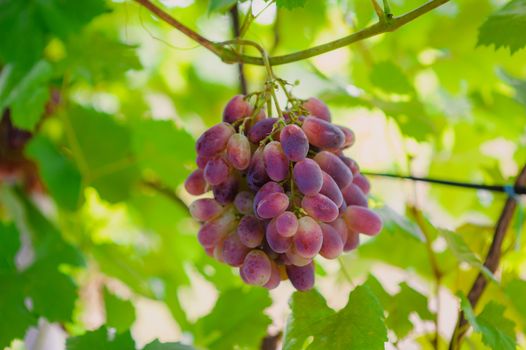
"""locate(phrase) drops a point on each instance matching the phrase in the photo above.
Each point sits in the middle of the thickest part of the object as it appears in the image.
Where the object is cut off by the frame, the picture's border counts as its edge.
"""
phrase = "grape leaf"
(290, 4)
(170, 154)
(518, 85)
(101, 339)
(220, 5)
(402, 304)
(460, 249)
(59, 174)
(9, 247)
(390, 78)
(25, 92)
(236, 321)
(496, 330)
(157, 345)
(120, 314)
(506, 27)
(516, 290)
(359, 325)
(25, 25)
(105, 148)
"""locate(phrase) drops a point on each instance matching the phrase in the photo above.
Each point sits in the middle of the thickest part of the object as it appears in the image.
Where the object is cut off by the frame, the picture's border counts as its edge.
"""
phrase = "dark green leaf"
(25, 92)
(10, 244)
(157, 345)
(220, 5)
(360, 325)
(120, 314)
(237, 320)
(59, 174)
(101, 339)
(290, 4)
(506, 27)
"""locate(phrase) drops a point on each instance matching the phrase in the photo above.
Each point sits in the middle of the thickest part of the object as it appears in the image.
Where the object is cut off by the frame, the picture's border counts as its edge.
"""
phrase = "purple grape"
(330, 189)
(277, 242)
(257, 174)
(272, 205)
(317, 108)
(256, 268)
(301, 277)
(244, 202)
(362, 182)
(237, 108)
(308, 239)
(261, 129)
(353, 240)
(287, 224)
(202, 161)
(238, 151)
(195, 183)
(307, 176)
(226, 191)
(353, 195)
(214, 140)
(293, 258)
(335, 167)
(250, 231)
(341, 227)
(213, 231)
(275, 277)
(276, 162)
(268, 188)
(349, 136)
(323, 134)
(234, 251)
(216, 171)
(363, 220)
(294, 142)
(205, 209)
(332, 246)
(320, 207)
(351, 164)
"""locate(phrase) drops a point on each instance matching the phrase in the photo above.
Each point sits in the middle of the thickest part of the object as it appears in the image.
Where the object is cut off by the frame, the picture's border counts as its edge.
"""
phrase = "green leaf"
(10, 244)
(25, 92)
(460, 249)
(169, 155)
(405, 302)
(59, 174)
(497, 331)
(516, 290)
(290, 4)
(120, 314)
(101, 339)
(390, 78)
(104, 148)
(25, 25)
(359, 325)
(519, 85)
(236, 321)
(220, 5)
(506, 27)
(157, 345)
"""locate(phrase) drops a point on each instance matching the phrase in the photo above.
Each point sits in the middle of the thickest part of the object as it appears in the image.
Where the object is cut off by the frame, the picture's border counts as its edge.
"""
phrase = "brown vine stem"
(234, 16)
(230, 56)
(491, 262)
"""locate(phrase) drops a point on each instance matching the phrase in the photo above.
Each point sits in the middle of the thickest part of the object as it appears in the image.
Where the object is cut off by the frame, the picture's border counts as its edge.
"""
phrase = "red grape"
(244, 202)
(317, 108)
(261, 129)
(353, 239)
(301, 277)
(257, 174)
(353, 195)
(256, 268)
(250, 231)
(195, 184)
(363, 220)
(226, 191)
(332, 245)
(307, 176)
(238, 151)
(276, 162)
(330, 189)
(294, 142)
(234, 251)
(272, 205)
(205, 209)
(287, 224)
(216, 171)
(276, 242)
(308, 239)
(323, 134)
(362, 182)
(214, 140)
(320, 207)
(349, 136)
(237, 108)
(212, 231)
(275, 277)
(335, 167)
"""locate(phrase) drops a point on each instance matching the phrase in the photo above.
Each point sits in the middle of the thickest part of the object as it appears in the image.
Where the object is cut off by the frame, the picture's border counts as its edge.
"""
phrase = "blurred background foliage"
(101, 103)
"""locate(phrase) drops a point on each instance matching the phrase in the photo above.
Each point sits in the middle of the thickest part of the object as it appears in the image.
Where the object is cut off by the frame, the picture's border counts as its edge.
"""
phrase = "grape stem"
(231, 56)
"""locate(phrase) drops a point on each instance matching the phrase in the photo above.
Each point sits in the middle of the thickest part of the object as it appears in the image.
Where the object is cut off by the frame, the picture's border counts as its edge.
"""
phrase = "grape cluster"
(283, 192)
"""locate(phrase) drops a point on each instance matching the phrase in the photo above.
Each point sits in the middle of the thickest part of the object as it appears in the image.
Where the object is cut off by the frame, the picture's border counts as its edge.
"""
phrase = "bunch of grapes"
(283, 192)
